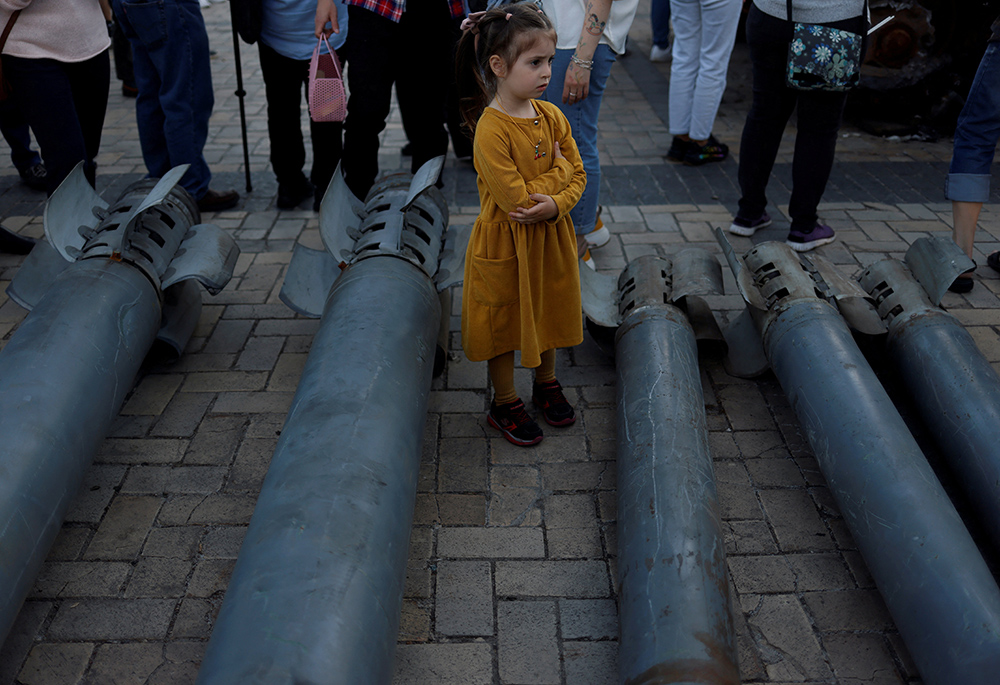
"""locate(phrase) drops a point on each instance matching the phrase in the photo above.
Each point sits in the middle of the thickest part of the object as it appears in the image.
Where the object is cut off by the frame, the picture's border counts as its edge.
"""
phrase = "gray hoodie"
(813, 11)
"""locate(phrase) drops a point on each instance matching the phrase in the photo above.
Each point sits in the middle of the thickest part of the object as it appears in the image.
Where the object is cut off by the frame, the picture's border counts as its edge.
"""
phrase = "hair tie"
(471, 22)
(509, 15)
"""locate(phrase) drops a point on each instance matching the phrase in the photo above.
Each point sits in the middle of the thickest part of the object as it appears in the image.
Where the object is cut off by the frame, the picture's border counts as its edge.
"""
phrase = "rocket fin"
(207, 254)
(308, 280)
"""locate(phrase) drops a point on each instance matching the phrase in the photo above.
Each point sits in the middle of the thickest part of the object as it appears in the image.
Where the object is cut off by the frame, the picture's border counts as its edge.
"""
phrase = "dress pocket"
(494, 281)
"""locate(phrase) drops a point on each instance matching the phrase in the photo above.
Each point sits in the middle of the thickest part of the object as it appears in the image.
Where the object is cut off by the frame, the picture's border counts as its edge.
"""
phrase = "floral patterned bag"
(823, 58)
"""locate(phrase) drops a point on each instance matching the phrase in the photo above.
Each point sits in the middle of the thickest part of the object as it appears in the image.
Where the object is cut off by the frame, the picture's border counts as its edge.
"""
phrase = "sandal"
(964, 282)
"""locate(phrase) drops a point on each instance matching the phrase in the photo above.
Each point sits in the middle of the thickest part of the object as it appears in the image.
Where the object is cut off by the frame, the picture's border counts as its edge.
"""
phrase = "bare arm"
(577, 84)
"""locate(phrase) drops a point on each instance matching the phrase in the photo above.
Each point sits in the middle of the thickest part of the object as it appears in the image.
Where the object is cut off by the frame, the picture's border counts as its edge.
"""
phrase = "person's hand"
(576, 87)
(544, 210)
(557, 152)
(326, 13)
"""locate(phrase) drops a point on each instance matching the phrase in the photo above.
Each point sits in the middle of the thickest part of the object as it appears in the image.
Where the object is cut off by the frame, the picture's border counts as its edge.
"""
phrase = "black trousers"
(413, 54)
(64, 103)
(819, 117)
(284, 79)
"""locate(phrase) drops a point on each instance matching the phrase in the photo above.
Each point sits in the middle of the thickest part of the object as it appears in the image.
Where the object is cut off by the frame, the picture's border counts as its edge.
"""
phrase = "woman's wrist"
(587, 64)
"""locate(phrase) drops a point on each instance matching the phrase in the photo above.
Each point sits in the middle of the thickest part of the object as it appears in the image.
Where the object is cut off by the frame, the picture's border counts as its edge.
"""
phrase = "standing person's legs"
(719, 20)
(582, 119)
(686, 16)
(425, 30)
(43, 91)
(819, 117)
(772, 105)
(90, 81)
(174, 78)
(968, 182)
(373, 60)
(283, 79)
(16, 132)
(659, 18)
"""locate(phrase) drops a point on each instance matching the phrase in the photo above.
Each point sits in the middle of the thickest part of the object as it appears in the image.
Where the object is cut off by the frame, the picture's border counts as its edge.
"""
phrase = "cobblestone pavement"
(511, 577)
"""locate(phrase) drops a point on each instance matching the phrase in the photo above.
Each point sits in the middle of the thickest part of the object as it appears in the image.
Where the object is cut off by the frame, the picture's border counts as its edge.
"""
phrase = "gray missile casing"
(675, 620)
(954, 387)
(930, 573)
(65, 373)
(316, 593)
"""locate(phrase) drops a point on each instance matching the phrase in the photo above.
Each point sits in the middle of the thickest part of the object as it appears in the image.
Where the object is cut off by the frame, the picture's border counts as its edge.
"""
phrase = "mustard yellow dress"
(522, 283)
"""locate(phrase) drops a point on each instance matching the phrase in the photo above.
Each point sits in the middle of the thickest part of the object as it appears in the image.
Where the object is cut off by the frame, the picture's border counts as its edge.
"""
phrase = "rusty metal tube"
(674, 604)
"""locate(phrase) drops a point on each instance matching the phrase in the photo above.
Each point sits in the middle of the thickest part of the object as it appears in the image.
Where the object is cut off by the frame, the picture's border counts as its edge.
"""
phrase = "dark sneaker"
(216, 201)
(511, 419)
(291, 195)
(803, 242)
(35, 176)
(550, 399)
(711, 151)
(12, 243)
(679, 149)
(747, 227)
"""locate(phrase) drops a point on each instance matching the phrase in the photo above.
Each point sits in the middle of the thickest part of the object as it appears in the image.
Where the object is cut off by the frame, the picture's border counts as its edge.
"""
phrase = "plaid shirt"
(393, 9)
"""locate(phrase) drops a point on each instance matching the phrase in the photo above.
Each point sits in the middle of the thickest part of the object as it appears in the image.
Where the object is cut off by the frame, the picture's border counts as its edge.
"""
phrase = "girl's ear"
(497, 66)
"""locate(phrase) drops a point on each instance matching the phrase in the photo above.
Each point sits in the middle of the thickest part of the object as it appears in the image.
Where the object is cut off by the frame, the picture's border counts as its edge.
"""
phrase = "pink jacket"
(63, 30)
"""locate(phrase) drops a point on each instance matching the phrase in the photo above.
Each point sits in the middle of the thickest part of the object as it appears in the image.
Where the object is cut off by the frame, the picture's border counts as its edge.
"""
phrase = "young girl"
(522, 284)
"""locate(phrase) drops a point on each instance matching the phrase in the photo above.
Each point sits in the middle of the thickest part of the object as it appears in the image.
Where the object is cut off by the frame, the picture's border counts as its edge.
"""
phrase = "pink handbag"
(327, 99)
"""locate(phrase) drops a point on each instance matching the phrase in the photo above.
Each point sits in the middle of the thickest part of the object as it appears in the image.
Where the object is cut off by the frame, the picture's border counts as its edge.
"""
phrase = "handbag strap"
(8, 27)
(313, 63)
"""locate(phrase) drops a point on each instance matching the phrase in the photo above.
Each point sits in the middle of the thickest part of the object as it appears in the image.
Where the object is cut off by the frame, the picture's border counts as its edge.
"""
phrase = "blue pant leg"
(173, 75)
(659, 18)
(583, 120)
(977, 134)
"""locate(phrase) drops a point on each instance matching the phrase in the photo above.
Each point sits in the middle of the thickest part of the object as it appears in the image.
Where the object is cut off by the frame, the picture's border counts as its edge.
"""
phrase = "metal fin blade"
(696, 272)
(36, 274)
(426, 176)
(451, 264)
(855, 305)
(308, 280)
(339, 218)
(181, 310)
(936, 263)
(70, 208)
(744, 281)
(207, 254)
(599, 293)
(745, 358)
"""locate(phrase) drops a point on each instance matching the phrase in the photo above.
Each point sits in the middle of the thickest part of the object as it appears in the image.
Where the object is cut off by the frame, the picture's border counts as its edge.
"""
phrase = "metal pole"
(317, 590)
(63, 377)
(674, 604)
(240, 94)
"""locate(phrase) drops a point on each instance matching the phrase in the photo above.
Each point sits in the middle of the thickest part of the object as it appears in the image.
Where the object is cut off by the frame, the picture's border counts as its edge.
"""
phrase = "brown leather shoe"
(215, 201)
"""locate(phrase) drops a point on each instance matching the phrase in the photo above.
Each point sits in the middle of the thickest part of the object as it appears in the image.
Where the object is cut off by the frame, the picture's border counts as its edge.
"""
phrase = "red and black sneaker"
(550, 399)
(511, 419)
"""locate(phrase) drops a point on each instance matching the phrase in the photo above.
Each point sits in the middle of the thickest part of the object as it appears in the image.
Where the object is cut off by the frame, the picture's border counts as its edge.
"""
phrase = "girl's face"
(529, 75)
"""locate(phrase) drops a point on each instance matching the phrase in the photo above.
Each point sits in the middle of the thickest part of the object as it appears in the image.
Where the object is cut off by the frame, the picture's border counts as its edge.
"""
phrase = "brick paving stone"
(589, 619)
(98, 488)
(162, 479)
(112, 619)
(144, 451)
(51, 663)
(153, 394)
(210, 576)
(464, 598)
(490, 543)
(527, 651)
(158, 577)
(179, 542)
(862, 659)
(125, 664)
(124, 528)
(788, 645)
(796, 523)
(444, 664)
(87, 579)
(590, 663)
(183, 415)
(582, 579)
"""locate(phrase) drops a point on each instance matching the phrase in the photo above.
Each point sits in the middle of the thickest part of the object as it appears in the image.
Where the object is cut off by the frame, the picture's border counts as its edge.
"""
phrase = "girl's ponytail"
(472, 92)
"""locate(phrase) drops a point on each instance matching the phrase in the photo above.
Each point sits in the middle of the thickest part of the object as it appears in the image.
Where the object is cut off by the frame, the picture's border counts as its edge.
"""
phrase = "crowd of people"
(529, 78)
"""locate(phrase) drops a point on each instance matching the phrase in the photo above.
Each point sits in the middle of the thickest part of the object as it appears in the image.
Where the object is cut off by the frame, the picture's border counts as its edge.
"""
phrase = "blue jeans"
(174, 78)
(704, 36)
(583, 121)
(977, 134)
(659, 19)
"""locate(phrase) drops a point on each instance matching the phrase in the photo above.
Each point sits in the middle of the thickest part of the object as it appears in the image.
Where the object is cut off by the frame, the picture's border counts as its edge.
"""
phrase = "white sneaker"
(658, 54)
